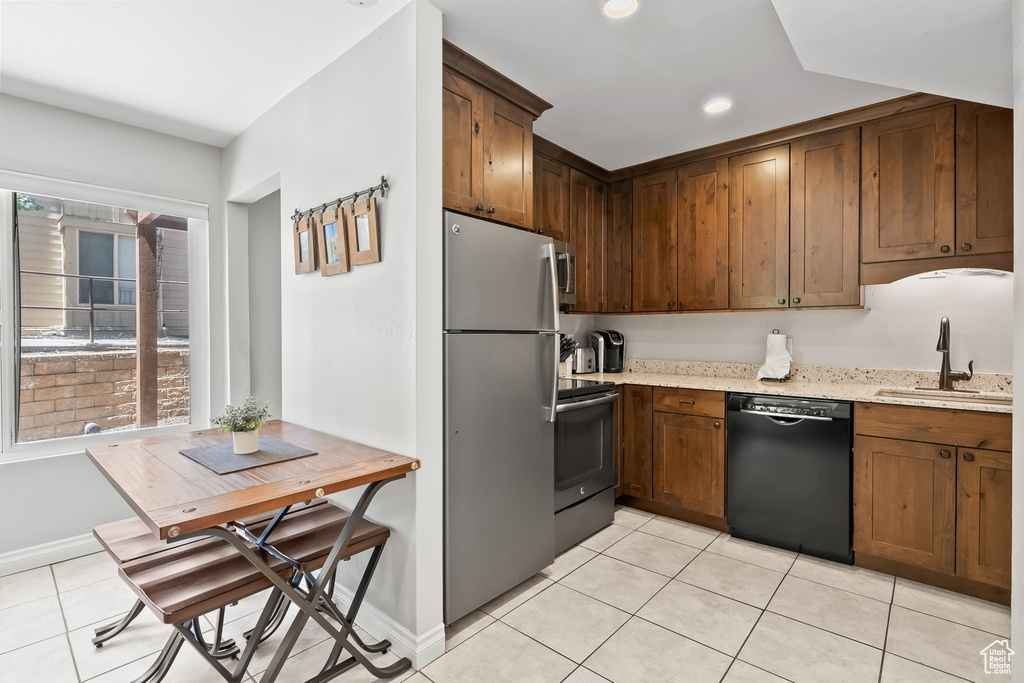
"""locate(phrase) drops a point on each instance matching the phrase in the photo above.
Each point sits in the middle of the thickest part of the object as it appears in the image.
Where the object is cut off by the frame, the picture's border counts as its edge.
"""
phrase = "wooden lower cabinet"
(689, 462)
(904, 502)
(637, 418)
(983, 515)
(930, 511)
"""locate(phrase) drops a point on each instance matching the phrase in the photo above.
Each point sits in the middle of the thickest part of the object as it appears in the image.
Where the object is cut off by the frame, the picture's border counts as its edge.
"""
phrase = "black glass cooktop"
(570, 388)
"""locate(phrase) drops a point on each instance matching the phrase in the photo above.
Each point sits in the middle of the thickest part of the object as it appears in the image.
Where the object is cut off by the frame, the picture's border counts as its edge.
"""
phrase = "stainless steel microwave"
(566, 255)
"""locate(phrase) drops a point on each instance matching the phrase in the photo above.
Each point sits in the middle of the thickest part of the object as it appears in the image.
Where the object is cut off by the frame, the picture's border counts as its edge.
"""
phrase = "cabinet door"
(618, 252)
(907, 188)
(824, 231)
(759, 229)
(983, 515)
(654, 242)
(984, 179)
(508, 152)
(689, 462)
(637, 425)
(904, 497)
(551, 198)
(462, 178)
(703, 225)
(587, 215)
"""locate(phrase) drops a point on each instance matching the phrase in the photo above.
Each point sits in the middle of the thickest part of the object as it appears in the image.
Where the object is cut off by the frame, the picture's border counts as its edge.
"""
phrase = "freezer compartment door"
(496, 277)
(499, 465)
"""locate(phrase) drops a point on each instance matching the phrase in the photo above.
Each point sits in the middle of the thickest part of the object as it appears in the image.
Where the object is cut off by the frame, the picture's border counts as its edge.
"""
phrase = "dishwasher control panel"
(794, 407)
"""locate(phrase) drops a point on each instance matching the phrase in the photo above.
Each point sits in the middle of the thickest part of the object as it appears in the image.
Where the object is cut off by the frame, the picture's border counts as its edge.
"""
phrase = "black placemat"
(222, 459)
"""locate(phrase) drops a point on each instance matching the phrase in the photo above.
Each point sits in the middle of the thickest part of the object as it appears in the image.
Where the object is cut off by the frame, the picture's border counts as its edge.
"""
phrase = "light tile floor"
(647, 599)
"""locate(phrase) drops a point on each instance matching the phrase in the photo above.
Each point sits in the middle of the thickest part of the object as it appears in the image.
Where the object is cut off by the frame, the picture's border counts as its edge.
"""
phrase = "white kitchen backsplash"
(898, 330)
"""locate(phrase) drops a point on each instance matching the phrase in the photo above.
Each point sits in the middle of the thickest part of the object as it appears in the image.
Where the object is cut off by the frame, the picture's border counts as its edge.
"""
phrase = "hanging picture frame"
(305, 246)
(332, 242)
(363, 234)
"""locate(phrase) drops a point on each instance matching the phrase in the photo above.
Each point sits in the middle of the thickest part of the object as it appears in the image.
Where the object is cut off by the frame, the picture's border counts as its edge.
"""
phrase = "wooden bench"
(181, 581)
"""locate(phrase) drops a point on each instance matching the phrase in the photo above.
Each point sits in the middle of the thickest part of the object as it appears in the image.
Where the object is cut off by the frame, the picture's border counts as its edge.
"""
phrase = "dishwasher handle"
(785, 420)
(580, 405)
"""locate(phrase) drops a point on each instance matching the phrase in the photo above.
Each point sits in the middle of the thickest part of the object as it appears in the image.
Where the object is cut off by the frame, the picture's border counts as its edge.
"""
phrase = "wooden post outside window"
(146, 303)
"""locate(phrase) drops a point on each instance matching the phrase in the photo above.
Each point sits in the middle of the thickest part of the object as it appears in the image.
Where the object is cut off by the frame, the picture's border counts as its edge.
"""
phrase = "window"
(111, 256)
(92, 355)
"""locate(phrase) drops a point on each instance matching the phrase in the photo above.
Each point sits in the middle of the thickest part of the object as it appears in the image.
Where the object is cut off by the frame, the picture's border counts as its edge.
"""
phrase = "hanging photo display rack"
(334, 237)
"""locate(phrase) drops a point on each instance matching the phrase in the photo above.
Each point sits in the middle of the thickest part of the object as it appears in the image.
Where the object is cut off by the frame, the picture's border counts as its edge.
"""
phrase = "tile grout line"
(67, 632)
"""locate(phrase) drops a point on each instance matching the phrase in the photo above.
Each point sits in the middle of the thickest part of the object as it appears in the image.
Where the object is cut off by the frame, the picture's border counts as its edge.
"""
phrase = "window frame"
(116, 261)
(199, 309)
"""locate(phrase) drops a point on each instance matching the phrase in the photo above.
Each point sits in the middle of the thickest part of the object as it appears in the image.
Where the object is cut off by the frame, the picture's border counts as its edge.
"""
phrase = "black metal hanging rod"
(381, 187)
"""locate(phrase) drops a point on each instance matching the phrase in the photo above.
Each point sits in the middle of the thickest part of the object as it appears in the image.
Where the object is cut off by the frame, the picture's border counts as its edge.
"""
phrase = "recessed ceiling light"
(620, 9)
(717, 106)
(362, 3)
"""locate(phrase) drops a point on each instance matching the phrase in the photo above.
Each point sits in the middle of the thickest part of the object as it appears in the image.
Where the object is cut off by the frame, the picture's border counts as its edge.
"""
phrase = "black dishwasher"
(790, 464)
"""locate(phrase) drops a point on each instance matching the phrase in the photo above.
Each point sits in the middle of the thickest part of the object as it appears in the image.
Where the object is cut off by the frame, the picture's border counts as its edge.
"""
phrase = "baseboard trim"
(421, 650)
(48, 553)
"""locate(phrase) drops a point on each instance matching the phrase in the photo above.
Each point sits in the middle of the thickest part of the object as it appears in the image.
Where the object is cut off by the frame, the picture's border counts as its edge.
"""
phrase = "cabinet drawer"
(689, 401)
(965, 428)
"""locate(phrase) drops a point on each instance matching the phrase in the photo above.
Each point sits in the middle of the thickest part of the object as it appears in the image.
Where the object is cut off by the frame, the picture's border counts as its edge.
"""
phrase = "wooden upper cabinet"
(759, 229)
(587, 215)
(462, 179)
(637, 425)
(508, 162)
(904, 501)
(907, 187)
(551, 198)
(703, 236)
(984, 179)
(824, 232)
(654, 242)
(689, 462)
(618, 253)
(983, 515)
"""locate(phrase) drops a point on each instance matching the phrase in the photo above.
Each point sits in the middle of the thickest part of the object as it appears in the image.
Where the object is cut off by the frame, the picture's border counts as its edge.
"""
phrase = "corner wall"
(1017, 594)
(361, 351)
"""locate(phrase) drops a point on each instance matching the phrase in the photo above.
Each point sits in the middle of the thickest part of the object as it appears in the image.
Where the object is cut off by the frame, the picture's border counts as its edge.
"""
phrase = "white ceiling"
(959, 48)
(199, 70)
(632, 90)
(623, 92)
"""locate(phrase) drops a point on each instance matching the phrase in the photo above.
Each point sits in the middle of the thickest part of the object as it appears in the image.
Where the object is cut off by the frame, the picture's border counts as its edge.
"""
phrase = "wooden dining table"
(178, 498)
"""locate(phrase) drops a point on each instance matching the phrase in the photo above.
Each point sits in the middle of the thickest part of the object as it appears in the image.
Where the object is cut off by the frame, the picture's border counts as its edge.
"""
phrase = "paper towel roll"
(776, 360)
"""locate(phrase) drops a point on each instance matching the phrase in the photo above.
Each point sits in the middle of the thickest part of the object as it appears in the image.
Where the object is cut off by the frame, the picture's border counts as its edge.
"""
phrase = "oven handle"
(580, 405)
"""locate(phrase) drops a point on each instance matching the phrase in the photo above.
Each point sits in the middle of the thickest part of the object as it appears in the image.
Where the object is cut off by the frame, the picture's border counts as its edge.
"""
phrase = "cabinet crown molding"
(470, 67)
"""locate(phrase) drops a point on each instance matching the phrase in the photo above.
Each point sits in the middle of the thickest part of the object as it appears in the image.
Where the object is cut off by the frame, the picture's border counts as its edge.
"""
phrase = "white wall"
(57, 143)
(1016, 606)
(265, 301)
(898, 332)
(362, 350)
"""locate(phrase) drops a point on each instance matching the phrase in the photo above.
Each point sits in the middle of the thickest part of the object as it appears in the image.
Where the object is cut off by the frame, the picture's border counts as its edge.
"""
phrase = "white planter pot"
(246, 442)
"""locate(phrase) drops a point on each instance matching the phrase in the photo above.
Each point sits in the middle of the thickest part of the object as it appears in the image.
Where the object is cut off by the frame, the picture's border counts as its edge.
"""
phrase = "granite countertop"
(848, 384)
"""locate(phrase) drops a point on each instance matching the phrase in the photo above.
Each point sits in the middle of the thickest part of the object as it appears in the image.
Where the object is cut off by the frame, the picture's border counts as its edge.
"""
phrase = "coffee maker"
(611, 350)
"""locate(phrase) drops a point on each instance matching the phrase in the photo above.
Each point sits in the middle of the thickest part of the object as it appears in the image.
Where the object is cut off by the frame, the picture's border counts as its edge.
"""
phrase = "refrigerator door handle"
(553, 263)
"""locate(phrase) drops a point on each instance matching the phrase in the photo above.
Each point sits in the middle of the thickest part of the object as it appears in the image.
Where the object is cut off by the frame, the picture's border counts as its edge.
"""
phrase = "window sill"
(75, 445)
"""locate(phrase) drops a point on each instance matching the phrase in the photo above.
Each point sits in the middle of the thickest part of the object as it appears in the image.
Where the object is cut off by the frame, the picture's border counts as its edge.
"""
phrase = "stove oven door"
(584, 448)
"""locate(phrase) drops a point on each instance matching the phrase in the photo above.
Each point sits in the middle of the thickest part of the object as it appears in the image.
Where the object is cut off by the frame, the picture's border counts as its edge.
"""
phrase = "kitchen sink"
(954, 396)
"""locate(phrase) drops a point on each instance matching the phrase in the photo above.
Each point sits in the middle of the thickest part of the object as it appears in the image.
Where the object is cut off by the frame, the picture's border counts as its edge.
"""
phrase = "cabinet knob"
(671, 305)
(490, 209)
(966, 246)
(782, 302)
(944, 248)
(944, 454)
(796, 299)
(476, 128)
(969, 457)
(540, 231)
(624, 307)
(718, 425)
(479, 207)
(681, 305)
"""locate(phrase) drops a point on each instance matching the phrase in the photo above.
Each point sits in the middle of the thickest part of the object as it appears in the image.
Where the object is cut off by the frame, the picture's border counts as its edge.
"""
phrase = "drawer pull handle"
(969, 457)
(686, 401)
(944, 454)
(718, 425)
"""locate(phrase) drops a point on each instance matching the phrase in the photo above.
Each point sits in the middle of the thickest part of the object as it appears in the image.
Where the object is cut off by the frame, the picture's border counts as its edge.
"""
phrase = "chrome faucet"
(947, 376)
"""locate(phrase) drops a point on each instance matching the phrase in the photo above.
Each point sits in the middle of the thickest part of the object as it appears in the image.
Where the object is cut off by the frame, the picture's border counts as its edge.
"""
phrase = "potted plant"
(244, 423)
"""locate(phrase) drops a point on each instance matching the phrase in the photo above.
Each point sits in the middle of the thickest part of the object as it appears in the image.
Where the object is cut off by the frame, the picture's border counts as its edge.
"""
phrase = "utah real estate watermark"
(997, 657)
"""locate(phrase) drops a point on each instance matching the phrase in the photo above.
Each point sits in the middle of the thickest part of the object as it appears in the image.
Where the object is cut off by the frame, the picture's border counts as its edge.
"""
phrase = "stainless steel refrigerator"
(501, 384)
